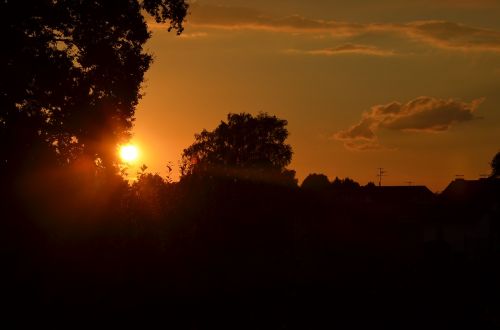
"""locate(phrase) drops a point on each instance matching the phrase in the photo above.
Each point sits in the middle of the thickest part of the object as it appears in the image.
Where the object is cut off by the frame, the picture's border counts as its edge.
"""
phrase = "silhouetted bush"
(315, 182)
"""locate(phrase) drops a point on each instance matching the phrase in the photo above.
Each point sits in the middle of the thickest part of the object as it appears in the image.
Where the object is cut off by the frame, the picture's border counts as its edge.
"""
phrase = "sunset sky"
(410, 86)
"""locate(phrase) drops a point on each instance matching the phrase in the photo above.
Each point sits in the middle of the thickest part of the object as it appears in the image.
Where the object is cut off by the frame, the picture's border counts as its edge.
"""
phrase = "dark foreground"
(219, 254)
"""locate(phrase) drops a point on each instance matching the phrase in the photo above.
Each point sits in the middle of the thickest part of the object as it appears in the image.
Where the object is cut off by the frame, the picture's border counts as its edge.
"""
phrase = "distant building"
(402, 194)
(482, 191)
(468, 217)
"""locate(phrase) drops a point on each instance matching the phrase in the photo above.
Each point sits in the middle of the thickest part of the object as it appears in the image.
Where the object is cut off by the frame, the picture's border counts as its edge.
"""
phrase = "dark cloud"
(423, 114)
(361, 131)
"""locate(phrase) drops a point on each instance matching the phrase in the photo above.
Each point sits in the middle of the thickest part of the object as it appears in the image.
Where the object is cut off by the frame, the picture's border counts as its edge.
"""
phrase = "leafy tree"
(150, 192)
(71, 76)
(370, 185)
(344, 184)
(495, 166)
(244, 147)
(316, 182)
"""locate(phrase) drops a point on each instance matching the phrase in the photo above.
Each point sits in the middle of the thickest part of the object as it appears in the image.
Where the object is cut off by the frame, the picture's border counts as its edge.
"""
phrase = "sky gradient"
(410, 86)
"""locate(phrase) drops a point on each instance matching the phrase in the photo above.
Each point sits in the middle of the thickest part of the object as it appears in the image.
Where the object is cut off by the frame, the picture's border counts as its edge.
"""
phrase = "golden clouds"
(455, 36)
(226, 17)
(423, 114)
(345, 49)
(435, 33)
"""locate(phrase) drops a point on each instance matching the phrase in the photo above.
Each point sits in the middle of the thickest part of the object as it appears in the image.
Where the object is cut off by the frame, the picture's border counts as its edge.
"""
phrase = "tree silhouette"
(346, 183)
(495, 166)
(244, 147)
(150, 193)
(370, 185)
(316, 182)
(71, 76)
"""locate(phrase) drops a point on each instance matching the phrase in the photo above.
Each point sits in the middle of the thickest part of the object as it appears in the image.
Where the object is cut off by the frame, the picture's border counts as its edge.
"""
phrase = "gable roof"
(403, 193)
(472, 190)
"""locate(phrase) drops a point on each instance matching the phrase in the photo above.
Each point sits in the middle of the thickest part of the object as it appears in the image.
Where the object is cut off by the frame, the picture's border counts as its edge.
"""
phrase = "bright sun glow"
(129, 153)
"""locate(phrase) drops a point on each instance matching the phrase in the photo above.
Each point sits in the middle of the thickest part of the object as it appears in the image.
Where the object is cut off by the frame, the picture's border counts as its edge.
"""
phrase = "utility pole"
(381, 173)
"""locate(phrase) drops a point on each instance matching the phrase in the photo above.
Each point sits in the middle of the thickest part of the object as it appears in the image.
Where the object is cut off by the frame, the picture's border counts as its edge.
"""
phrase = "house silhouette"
(403, 194)
(467, 217)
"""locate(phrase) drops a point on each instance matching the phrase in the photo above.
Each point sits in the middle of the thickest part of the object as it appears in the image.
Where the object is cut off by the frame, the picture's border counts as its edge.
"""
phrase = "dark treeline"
(248, 248)
(236, 243)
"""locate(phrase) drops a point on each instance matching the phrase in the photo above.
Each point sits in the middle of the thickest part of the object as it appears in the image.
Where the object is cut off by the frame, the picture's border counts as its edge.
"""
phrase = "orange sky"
(411, 86)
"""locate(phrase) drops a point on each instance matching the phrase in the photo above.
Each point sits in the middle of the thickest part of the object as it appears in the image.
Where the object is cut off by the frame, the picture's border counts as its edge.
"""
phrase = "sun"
(129, 153)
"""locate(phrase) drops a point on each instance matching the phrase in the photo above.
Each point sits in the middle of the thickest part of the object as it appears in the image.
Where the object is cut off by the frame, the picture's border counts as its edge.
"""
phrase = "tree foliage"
(316, 182)
(245, 146)
(344, 184)
(495, 166)
(71, 75)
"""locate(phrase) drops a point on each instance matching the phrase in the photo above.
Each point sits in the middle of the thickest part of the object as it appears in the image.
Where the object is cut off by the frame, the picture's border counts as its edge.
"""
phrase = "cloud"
(468, 4)
(356, 145)
(193, 35)
(226, 17)
(359, 137)
(423, 114)
(440, 34)
(345, 49)
(451, 35)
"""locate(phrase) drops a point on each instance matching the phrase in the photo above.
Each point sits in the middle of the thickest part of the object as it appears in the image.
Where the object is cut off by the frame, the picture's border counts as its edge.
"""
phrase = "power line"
(381, 173)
